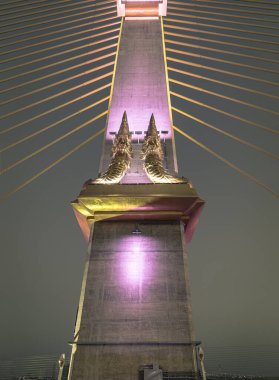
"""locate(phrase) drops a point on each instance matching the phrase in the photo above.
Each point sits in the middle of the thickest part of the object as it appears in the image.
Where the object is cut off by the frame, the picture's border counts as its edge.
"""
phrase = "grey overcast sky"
(234, 257)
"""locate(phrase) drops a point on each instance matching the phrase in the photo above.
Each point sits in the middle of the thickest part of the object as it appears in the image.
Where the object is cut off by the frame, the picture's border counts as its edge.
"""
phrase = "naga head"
(122, 141)
(152, 143)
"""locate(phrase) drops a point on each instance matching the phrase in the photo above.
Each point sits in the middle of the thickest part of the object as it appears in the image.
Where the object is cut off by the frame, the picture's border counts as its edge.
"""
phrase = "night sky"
(233, 256)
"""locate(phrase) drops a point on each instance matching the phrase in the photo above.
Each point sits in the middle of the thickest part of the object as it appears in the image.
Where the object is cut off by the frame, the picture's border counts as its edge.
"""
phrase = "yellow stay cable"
(53, 14)
(59, 18)
(224, 97)
(26, 138)
(270, 130)
(4, 116)
(222, 21)
(224, 14)
(88, 53)
(201, 56)
(199, 24)
(195, 46)
(175, 26)
(49, 76)
(232, 73)
(25, 183)
(55, 26)
(55, 33)
(187, 36)
(226, 9)
(242, 88)
(53, 142)
(233, 166)
(65, 44)
(238, 139)
(59, 94)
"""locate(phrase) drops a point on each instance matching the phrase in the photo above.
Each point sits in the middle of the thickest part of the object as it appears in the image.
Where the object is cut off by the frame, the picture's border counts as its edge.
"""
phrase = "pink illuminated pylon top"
(141, 8)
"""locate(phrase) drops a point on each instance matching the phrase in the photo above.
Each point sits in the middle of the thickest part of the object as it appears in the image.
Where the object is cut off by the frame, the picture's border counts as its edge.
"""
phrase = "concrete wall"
(140, 88)
(136, 301)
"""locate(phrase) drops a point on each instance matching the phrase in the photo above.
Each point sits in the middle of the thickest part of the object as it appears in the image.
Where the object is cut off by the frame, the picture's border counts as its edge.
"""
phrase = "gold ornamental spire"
(121, 155)
(152, 154)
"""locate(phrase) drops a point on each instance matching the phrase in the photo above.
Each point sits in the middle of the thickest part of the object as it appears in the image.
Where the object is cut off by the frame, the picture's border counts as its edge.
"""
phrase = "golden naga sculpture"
(121, 156)
(152, 154)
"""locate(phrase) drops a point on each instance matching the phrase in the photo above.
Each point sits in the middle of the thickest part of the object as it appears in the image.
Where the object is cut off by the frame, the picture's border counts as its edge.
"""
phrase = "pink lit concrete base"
(135, 306)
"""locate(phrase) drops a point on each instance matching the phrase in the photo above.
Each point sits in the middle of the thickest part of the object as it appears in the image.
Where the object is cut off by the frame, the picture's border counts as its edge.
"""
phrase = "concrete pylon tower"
(134, 313)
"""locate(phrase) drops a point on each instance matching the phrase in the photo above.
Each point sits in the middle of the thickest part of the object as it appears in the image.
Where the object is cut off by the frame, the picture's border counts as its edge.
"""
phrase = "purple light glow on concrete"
(134, 268)
(140, 89)
(162, 6)
(135, 261)
(138, 120)
(140, 86)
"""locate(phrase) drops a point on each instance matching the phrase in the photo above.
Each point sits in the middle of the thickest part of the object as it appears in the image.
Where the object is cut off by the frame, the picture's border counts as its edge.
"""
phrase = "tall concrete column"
(135, 306)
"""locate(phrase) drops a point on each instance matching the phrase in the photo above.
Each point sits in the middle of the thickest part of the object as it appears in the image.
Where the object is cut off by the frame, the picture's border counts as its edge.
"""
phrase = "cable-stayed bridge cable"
(19, 14)
(108, 47)
(66, 44)
(53, 14)
(220, 27)
(230, 53)
(55, 96)
(238, 5)
(233, 166)
(233, 36)
(224, 21)
(53, 142)
(225, 14)
(59, 18)
(185, 3)
(270, 130)
(55, 32)
(227, 134)
(25, 183)
(224, 97)
(38, 132)
(37, 79)
(232, 73)
(187, 36)
(56, 26)
(233, 63)
(242, 88)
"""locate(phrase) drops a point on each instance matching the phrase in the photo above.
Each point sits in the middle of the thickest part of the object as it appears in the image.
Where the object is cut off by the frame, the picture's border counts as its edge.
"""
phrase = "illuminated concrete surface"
(136, 292)
(140, 88)
(135, 306)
